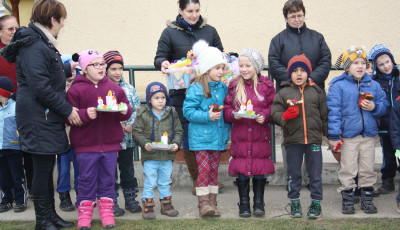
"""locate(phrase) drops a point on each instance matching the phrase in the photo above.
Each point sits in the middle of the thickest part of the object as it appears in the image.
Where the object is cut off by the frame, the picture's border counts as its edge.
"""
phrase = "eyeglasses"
(293, 17)
(11, 29)
(98, 65)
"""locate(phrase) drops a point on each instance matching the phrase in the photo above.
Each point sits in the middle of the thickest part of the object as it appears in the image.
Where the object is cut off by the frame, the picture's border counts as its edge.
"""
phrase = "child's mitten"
(290, 113)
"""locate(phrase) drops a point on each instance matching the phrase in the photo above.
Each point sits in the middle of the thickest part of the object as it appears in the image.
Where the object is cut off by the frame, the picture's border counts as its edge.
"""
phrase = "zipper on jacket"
(362, 115)
(391, 91)
(304, 114)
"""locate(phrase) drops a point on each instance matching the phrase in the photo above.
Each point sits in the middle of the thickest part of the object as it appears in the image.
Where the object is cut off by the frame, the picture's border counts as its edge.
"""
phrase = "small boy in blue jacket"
(352, 118)
(387, 75)
(12, 178)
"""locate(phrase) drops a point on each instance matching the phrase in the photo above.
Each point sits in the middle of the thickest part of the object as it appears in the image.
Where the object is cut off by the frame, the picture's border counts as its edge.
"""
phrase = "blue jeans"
(157, 173)
(64, 175)
(185, 141)
(243, 177)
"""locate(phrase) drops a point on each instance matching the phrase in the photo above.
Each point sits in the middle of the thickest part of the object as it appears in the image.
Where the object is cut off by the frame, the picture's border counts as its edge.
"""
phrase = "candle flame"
(109, 93)
(165, 133)
(249, 102)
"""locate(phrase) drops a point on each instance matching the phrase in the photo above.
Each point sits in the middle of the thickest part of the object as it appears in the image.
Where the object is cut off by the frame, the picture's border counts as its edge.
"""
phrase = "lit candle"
(164, 138)
(109, 99)
(249, 106)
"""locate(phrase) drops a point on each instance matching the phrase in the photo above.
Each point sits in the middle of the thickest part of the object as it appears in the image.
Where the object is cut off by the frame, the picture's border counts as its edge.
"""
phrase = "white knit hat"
(207, 56)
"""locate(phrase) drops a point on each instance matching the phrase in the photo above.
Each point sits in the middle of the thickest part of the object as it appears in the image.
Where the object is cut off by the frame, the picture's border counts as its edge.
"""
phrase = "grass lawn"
(240, 224)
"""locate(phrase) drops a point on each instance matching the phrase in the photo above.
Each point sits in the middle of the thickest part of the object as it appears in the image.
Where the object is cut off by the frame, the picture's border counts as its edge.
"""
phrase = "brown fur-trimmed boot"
(167, 208)
(213, 200)
(148, 209)
(191, 163)
(205, 209)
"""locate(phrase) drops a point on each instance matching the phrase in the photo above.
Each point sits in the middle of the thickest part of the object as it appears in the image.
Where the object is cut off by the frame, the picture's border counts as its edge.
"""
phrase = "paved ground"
(275, 200)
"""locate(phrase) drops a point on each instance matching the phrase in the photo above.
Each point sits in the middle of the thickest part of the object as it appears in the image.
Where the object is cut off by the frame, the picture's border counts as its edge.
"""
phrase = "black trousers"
(28, 167)
(389, 164)
(126, 169)
(313, 159)
(42, 183)
(12, 178)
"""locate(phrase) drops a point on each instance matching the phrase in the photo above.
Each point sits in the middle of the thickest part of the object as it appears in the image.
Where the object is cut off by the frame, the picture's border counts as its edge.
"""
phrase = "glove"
(397, 154)
(290, 113)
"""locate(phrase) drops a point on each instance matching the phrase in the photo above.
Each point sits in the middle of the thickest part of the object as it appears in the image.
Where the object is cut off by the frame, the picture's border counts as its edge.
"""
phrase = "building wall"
(133, 27)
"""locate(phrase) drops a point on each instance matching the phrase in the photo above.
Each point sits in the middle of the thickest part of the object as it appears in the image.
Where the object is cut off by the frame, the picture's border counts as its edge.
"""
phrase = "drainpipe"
(6, 6)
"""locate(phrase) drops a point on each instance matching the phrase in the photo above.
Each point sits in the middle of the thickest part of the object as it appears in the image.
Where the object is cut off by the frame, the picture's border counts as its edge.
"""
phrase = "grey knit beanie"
(255, 58)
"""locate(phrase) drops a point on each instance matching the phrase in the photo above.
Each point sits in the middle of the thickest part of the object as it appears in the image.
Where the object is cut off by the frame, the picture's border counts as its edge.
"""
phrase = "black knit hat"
(6, 87)
(112, 57)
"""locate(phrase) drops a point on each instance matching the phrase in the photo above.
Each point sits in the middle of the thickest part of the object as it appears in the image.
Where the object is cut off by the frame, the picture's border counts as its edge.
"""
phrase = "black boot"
(117, 210)
(42, 212)
(348, 202)
(65, 202)
(55, 218)
(387, 186)
(130, 202)
(258, 200)
(244, 199)
(366, 200)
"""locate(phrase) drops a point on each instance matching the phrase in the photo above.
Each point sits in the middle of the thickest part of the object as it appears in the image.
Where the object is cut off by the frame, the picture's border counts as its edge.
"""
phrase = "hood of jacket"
(24, 36)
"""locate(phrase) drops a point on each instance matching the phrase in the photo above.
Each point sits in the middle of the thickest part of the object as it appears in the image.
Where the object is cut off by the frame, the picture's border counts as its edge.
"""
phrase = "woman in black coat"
(41, 106)
(175, 41)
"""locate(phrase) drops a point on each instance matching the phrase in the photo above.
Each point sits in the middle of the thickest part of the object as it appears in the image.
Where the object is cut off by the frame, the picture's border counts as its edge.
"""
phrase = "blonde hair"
(203, 80)
(241, 96)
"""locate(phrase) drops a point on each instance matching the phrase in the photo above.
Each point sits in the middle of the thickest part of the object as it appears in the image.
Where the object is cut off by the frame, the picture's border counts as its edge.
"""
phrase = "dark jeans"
(64, 171)
(28, 167)
(42, 183)
(126, 170)
(389, 163)
(12, 178)
(313, 159)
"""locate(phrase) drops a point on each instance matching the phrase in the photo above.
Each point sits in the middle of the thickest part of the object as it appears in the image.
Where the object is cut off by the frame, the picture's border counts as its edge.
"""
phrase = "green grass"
(240, 224)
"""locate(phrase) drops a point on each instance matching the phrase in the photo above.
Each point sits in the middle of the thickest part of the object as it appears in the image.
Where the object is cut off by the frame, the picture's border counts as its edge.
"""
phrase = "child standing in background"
(97, 141)
(303, 134)
(128, 181)
(12, 178)
(250, 148)
(387, 75)
(354, 121)
(153, 121)
(208, 133)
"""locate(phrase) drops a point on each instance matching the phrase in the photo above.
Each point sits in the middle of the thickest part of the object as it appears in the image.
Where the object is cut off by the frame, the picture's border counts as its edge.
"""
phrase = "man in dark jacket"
(297, 39)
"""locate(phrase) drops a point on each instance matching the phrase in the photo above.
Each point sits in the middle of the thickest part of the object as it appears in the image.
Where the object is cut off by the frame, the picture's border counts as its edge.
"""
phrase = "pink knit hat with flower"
(87, 56)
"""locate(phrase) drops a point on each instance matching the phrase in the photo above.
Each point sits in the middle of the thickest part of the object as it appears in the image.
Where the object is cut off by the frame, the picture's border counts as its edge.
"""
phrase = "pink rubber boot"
(106, 212)
(85, 212)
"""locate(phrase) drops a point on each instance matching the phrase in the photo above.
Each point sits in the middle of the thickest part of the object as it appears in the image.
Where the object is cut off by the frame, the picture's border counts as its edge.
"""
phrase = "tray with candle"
(111, 104)
(246, 111)
(163, 144)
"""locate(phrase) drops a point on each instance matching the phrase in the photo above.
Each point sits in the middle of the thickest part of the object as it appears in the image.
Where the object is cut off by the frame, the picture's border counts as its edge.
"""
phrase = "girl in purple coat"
(97, 141)
(250, 149)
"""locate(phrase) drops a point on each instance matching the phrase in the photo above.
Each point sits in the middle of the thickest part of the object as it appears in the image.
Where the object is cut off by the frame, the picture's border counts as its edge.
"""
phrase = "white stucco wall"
(133, 27)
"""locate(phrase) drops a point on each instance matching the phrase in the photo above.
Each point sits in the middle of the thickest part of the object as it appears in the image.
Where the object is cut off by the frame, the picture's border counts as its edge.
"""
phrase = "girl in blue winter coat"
(352, 118)
(208, 133)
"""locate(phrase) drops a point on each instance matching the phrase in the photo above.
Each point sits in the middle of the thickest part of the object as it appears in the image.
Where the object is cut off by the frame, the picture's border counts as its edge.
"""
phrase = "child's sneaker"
(4, 207)
(295, 209)
(314, 211)
(20, 207)
(106, 212)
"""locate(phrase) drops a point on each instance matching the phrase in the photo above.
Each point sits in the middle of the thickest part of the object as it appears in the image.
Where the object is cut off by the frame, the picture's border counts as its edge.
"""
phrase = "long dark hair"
(183, 3)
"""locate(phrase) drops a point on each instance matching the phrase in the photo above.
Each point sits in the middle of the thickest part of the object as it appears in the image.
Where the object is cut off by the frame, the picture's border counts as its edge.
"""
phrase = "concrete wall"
(133, 27)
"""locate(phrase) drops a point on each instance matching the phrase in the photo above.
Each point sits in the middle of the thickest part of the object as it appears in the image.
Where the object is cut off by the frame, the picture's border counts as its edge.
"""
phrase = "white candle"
(164, 138)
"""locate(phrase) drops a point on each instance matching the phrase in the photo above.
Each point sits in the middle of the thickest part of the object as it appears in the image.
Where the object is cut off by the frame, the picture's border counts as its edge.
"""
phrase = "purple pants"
(96, 175)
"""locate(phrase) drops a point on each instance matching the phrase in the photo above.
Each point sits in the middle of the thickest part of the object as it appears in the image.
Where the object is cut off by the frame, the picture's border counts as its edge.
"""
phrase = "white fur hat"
(207, 56)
